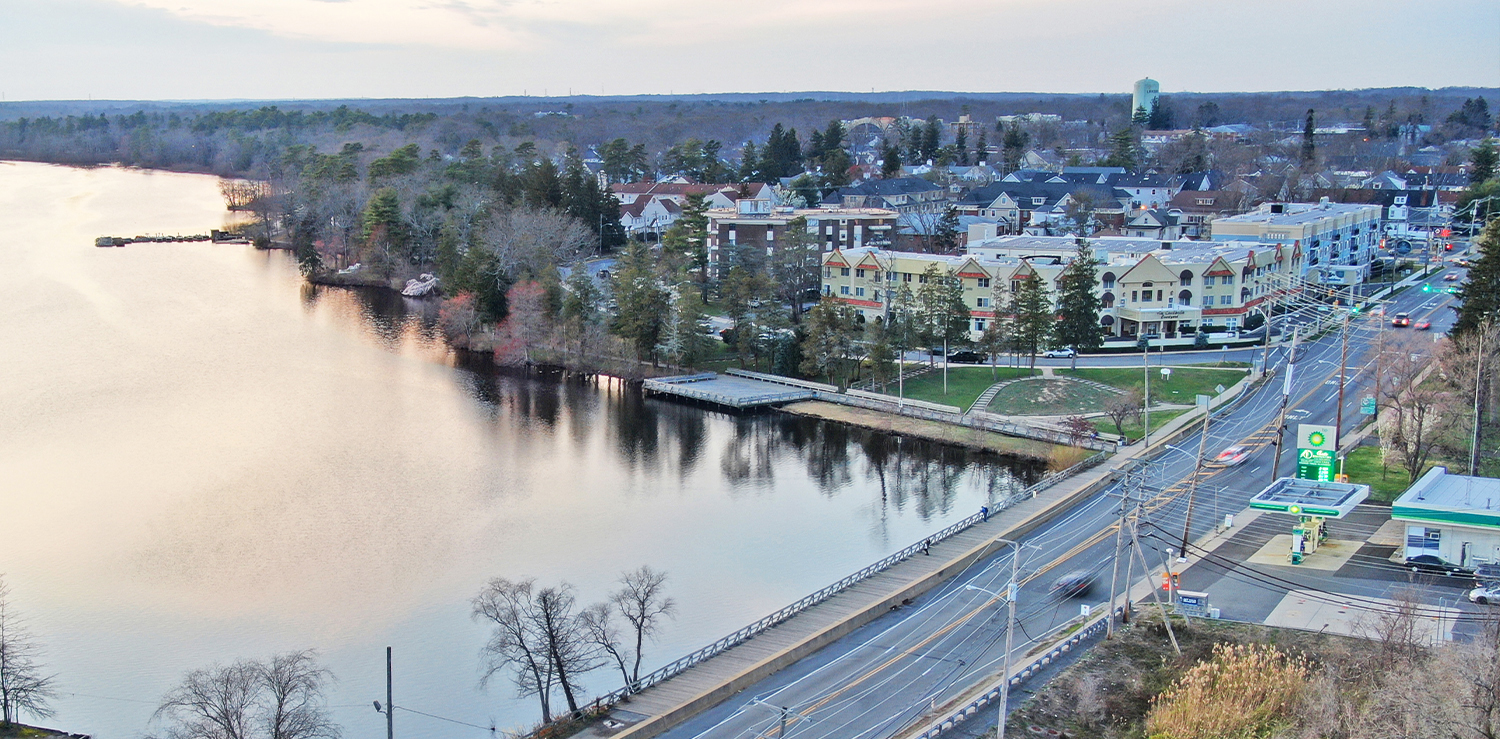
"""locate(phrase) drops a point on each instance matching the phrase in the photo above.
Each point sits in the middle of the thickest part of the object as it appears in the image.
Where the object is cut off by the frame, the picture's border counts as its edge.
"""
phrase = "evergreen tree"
(981, 149)
(1479, 298)
(643, 305)
(890, 160)
(831, 347)
(1141, 117)
(1124, 150)
(961, 146)
(1031, 317)
(941, 316)
(946, 238)
(1483, 158)
(995, 340)
(1161, 118)
(1309, 146)
(749, 163)
(932, 139)
(686, 339)
(1078, 306)
(1013, 146)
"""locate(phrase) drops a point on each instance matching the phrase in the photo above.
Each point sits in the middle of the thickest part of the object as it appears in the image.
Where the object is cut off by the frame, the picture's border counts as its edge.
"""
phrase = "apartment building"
(759, 223)
(1337, 241)
(1170, 289)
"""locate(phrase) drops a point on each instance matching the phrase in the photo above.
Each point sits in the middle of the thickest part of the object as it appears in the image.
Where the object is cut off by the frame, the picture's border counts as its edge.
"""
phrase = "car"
(1232, 456)
(1401, 320)
(1074, 584)
(1065, 353)
(1423, 325)
(1434, 563)
(967, 357)
(1450, 277)
(1485, 594)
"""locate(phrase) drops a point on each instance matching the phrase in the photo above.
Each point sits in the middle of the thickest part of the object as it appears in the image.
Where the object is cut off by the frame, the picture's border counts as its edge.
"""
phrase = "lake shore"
(977, 439)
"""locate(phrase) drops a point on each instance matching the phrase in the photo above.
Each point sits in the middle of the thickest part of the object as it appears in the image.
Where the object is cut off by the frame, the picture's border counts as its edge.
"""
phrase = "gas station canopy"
(1311, 497)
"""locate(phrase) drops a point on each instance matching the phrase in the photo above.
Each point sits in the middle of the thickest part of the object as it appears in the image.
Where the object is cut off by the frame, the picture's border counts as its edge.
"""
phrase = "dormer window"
(1038, 201)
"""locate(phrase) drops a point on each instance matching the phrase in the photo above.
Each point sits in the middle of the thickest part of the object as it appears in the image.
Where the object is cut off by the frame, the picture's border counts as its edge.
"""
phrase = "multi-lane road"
(885, 677)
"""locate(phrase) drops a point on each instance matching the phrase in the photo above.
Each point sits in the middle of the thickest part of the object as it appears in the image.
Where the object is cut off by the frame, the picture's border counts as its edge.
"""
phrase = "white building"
(1455, 517)
(1144, 97)
(1337, 241)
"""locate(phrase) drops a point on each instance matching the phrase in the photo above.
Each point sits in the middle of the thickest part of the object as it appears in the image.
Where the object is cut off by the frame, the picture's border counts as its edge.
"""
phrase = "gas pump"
(1306, 536)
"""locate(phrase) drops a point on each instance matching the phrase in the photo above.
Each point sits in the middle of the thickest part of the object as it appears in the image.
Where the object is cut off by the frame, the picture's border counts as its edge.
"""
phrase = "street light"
(1011, 588)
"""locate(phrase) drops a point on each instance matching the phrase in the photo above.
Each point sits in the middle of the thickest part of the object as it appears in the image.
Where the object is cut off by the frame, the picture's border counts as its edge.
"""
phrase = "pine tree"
(1479, 298)
(981, 149)
(831, 347)
(643, 305)
(946, 238)
(1078, 306)
(1309, 146)
(890, 160)
(1483, 158)
(1124, 150)
(961, 146)
(1031, 316)
(749, 163)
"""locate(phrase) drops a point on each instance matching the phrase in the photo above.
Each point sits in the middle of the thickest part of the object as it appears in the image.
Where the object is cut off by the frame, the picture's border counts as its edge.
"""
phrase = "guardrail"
(977, 420)
(993, 694)
(779, 380)
(745, 634)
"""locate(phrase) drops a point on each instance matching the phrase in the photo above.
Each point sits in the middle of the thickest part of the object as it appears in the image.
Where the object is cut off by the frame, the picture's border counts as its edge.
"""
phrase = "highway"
(883, 678)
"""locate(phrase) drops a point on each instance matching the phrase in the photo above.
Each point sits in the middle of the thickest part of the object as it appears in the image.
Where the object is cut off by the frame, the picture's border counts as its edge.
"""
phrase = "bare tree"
(23, 687)
(514, 642)
(643, 602)
(1122, 408)
(1417, 412)
(1476, 666)
(570, 652)
(526, 243)
(213, 703)
(278, 698)
(598, 623)
(293, 705)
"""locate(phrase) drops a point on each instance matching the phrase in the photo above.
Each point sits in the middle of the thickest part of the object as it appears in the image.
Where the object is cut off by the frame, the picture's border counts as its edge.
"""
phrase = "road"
(884, 677)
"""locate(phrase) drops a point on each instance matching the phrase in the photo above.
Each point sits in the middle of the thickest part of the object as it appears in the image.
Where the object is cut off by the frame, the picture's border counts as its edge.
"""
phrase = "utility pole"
(1338, 424)
(1146, 401)
(1478, 383)
(1187, 521)
(390, 708)
(1165, 619)
(1012, 589)
(1114, 577)
(1286, 397)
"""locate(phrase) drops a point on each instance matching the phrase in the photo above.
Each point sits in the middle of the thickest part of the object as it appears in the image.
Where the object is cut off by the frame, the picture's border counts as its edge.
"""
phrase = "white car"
(1232, 456)
(1059, 353)
(1485, 594)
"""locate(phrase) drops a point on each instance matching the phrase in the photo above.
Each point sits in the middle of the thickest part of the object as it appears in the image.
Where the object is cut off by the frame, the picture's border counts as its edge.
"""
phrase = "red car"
(1423, 325)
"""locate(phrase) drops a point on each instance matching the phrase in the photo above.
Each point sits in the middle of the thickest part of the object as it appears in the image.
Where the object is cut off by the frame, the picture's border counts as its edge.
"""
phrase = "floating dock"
(731, 391)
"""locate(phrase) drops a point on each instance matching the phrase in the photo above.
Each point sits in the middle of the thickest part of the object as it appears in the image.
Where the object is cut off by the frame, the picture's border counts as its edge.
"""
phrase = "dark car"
(967, 357)
(1074, 584)
(1434, 563)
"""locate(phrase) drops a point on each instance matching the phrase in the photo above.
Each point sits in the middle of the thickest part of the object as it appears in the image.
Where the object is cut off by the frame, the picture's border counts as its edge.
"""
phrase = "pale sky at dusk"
(196, 49)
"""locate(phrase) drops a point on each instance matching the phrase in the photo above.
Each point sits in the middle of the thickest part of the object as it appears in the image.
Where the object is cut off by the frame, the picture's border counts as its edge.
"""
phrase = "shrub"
(1242, 691)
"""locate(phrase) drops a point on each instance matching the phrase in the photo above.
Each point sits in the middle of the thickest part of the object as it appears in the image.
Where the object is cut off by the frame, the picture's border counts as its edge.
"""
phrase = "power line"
(490, 729)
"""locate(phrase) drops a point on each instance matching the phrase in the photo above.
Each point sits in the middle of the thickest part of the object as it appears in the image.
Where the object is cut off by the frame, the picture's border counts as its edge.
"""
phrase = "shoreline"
(943, 433)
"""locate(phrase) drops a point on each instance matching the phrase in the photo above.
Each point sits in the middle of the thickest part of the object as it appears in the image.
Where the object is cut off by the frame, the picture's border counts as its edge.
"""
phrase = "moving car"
(1450, 277)
(1074, 584)
(1485, 594)
(1434, 563)
(1401, 320)
(1065, 353)
(1232, 456)
(967, 357)
(1423, 325)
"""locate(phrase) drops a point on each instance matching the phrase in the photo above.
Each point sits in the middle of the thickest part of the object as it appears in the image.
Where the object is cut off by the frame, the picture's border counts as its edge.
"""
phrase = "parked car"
(1434, 563)
(1232, 456)
(1065, 353)
(1485, 594)
(1423, 325)
(1401, 320)
(968, 357)
(1074, 584)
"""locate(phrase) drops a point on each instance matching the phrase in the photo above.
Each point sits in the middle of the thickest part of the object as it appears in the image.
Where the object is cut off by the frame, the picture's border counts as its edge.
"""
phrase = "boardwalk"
(732, 391)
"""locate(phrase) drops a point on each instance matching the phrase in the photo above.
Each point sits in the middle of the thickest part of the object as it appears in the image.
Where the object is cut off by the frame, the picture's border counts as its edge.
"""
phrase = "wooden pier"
(736, 390)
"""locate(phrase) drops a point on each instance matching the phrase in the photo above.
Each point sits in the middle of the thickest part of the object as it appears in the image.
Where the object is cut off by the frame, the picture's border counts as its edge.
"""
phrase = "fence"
(977, 420)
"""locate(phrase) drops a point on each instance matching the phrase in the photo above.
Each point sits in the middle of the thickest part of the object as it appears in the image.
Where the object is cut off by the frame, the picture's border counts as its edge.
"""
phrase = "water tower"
(1144, 97)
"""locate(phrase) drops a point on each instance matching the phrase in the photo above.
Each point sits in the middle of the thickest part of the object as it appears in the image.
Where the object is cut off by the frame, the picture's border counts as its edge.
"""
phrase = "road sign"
(1315, 452)
(1367, 405)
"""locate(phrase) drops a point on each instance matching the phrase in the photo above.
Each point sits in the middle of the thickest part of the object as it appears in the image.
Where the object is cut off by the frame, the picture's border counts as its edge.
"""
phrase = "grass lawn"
(1133, 427)
(1363, 467)
(1186, 384)
(1048, 398)
(965, 384)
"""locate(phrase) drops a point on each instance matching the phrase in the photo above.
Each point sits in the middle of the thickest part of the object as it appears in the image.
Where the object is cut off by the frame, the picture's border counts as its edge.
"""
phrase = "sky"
(283, 49)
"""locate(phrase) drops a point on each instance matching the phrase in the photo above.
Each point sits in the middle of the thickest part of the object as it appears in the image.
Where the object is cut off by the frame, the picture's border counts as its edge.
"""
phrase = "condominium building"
(1336, 241)
(1171, 289)
(758, 223)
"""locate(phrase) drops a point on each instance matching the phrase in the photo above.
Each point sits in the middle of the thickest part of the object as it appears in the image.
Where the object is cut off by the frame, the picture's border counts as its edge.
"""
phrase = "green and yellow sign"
(1316, 451)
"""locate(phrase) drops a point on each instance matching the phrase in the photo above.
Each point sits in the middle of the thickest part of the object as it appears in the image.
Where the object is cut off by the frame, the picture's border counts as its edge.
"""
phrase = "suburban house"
(901, 194)
(1196, 208)
(1154, 223)
(650, 208)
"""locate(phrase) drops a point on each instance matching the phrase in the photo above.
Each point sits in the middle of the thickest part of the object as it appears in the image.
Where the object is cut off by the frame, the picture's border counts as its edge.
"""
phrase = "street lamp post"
(1010, 596)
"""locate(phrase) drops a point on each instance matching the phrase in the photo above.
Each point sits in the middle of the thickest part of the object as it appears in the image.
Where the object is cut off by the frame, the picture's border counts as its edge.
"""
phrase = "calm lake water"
(203, 458)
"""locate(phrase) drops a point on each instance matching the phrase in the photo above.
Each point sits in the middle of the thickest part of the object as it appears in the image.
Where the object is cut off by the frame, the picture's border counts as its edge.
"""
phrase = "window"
(890, 277)
(843, 289)
(1108, 280)
(1186, 277)
(982, 302)
(922, 279)
(1135, 295)
(1158, 296)
(859, 273)
(1228, 279)
(979, 324)
(844, 271)
(906, 277)
(827, 271)
(859, 291)
(1224, 299)
(877, 296)
(1208, 282)
(983, 282)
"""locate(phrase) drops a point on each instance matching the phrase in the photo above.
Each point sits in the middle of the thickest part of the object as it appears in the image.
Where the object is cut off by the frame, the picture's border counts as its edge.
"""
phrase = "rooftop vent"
(1278, 208)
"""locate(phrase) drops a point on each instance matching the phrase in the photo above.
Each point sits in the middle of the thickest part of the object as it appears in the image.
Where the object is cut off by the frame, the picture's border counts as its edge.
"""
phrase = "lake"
(204, 458)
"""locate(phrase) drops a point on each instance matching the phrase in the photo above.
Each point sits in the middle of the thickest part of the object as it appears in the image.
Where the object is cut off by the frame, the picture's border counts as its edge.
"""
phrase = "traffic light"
(1426, 288)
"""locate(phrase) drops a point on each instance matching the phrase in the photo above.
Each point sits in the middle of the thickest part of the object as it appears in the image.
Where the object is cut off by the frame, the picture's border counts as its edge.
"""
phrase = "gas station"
(1313, 502)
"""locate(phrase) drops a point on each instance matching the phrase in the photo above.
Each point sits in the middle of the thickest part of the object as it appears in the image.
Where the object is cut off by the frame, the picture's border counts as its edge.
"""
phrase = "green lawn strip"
(965, 384)
(1363, 466)
(1186, 384)
(1049, 398)
(1133, 427)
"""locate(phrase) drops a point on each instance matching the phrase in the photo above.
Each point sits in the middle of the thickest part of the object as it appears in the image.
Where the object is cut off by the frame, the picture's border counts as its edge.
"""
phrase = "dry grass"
(1243, 691)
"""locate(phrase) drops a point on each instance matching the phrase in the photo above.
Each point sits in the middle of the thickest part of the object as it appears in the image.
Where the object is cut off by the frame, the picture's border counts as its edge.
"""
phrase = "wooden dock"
(737, 390)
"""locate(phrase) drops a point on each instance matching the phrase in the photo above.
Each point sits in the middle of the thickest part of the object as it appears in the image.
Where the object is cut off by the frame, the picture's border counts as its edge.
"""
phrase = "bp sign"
(1316, 447)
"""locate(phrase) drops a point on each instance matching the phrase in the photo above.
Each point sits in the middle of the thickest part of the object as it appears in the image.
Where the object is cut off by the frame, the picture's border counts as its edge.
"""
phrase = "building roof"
(1439, 497)
(1295, 214)
(893, 186)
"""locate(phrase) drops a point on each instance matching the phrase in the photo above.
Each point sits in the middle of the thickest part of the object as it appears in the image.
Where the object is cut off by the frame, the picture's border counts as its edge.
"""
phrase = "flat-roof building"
(1336, 241)
(1456, 517)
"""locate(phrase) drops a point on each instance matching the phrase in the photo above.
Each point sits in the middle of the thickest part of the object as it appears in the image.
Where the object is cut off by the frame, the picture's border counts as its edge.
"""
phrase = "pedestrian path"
(1048, 373)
